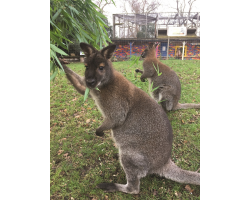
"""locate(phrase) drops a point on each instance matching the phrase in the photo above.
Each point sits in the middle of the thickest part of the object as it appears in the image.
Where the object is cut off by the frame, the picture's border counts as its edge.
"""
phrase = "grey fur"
(169, 91)
(139, 126)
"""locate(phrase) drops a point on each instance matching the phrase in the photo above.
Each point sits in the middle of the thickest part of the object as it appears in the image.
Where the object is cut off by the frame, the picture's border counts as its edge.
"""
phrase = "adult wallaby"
(139, 126)
(168, 83)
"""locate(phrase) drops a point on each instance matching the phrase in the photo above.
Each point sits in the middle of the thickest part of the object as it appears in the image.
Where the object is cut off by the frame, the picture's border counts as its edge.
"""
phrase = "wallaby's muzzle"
(144, 53)
(91, 82)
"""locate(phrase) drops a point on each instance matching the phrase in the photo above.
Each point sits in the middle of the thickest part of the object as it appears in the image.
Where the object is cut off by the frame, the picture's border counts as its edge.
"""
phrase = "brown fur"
(139, 126)
(169, 91)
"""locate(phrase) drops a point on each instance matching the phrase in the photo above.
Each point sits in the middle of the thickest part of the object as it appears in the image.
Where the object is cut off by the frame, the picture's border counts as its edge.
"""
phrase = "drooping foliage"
(76, 20)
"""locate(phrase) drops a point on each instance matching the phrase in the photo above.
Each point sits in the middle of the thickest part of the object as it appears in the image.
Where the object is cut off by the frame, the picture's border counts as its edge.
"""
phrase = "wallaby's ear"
(87, 49)
(108, 51)
(150, 45)
(156, 44)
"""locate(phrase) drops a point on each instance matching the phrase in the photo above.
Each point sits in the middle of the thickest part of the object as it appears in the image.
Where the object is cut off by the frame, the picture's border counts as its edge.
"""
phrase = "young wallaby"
(139, 126)
(168, 83)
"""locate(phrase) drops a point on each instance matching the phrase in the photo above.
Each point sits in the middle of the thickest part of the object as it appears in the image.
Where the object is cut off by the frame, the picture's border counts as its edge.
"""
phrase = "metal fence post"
(183, 49)
(167, 47)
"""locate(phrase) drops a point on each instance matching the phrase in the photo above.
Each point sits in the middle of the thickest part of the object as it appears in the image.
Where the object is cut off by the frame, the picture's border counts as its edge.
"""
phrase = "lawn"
(79, 159)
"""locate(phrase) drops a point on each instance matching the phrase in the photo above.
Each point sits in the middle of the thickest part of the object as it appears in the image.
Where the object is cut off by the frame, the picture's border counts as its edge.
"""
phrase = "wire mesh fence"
(167, 49)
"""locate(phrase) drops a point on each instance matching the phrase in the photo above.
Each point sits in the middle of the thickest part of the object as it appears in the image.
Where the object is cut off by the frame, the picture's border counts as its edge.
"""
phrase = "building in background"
(178, 36)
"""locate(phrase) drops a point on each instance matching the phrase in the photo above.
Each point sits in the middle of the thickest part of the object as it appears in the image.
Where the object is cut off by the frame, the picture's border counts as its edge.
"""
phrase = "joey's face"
(97, 70)
(98, 66)
(149, 49)
(144, 53)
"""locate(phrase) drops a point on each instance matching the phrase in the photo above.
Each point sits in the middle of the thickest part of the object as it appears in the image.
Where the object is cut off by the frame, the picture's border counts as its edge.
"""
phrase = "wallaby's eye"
(101, 68)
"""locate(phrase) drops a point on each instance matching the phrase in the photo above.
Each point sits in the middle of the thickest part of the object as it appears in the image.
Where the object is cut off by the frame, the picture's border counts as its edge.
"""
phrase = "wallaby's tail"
(186, 106)
(173, 172)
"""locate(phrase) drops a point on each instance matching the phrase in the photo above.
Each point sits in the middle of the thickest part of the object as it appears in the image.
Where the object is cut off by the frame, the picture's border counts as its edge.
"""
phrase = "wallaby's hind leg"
(173, 172)
(134, 168)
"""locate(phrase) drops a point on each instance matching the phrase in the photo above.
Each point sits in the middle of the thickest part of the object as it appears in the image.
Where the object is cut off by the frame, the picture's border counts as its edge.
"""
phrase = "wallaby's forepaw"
(142, 79)
(108, 187)
(99, 133)
(137, 70)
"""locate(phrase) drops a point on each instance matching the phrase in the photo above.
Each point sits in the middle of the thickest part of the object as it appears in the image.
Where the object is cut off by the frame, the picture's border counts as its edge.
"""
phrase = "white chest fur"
(149, 86)
(95, 95)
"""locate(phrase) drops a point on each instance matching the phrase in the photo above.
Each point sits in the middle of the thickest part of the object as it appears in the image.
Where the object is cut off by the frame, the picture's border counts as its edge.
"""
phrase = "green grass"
(86, 159)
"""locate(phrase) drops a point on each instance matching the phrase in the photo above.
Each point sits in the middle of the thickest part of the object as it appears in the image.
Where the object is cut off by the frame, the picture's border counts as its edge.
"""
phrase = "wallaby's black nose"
(90, 81)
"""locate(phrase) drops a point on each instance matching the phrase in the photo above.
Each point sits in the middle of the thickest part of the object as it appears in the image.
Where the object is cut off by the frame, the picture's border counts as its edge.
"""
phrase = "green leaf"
(161, 101)
(157, 70)
(86, 94)
(56, 49)
(53, 37)
(53, 55)
(53, 75)
(57, 14)
(51, 22)
(155, 88)
(86, 35)
(51, 65)
(72, 8)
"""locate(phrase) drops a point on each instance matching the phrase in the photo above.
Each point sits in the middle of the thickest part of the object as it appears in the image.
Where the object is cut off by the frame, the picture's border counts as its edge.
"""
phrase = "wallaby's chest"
(96, 97)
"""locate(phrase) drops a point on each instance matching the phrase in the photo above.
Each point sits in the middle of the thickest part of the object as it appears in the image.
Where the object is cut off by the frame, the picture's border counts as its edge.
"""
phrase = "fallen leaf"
(74, 100)
(89, 108)
(64, 138)
(94, 198)
(71, 198)
(188, 188)
(66, 154)
(178, 194)
(185, 141)
(77, 116)
(87, 121)
(59, 152)
(79, 155)
(182, 121)
(106, 197)
(155, 193)
(65, 110)
(67, 158)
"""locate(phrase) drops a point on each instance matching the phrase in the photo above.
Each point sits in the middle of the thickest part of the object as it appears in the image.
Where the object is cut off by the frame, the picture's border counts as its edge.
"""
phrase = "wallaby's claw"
(137, 70)
(99, 133)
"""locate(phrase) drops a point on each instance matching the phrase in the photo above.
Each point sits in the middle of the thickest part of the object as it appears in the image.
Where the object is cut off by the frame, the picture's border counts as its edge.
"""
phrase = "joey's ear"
(108, 51)
(150, 45)
(87, 49)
